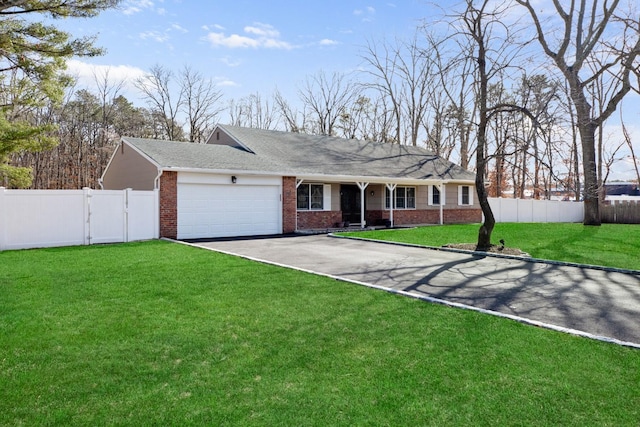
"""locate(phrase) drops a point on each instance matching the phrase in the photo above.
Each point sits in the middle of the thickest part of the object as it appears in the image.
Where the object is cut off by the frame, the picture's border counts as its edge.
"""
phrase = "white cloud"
(135, 6)
(216, 26)
(367, 13)
(233, 41)
(164, 36)
(224, 82)
(328, 42)
(155, 36)
(257, 36)
(262, 30)
(87, 73)
(130, 10)
(178, 27)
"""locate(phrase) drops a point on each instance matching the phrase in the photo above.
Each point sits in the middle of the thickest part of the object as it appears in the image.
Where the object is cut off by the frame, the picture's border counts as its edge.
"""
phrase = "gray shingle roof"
(302, 154)
(187, 155)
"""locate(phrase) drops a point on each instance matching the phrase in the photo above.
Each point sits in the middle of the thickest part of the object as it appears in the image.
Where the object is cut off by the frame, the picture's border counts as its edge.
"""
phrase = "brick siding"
(425, 216)
(288, 204)
(308, 220)
(169, 205)
(462, 216)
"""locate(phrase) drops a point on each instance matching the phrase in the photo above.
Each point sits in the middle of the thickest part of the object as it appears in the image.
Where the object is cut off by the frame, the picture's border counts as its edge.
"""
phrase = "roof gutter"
(324, 177)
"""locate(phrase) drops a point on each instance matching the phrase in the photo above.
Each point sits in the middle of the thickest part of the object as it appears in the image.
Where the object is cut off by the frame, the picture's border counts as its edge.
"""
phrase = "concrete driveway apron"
(598, 302)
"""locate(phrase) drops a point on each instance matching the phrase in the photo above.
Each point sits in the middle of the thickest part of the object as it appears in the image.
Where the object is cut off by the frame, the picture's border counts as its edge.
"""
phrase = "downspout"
(156, 181)
(100, 183)
(156, 188)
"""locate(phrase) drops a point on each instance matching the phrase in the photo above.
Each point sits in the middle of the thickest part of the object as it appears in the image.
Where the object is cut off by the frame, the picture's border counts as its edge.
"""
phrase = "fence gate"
(46, 218)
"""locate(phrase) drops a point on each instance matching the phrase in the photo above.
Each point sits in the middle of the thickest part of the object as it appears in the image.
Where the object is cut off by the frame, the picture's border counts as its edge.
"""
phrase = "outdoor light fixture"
(373, 192)
(233, 179)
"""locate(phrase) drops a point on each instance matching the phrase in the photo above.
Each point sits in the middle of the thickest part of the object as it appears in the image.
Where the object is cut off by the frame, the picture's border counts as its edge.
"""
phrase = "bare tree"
(201, 103)
(495, 51)
(473, 19)
(326, 99)
(599, 33)
(403, 77)
(157, 89)
(353, 120)
(454, 64)
(627, 140)
(382, 60)
(294, 120)
(253, 112)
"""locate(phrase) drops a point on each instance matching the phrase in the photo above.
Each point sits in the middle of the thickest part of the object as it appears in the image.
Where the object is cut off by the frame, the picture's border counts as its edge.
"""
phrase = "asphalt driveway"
(601, 303)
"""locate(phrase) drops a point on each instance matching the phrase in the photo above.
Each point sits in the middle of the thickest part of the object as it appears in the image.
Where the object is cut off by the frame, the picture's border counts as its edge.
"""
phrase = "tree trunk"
(589, 166)
(484, 234)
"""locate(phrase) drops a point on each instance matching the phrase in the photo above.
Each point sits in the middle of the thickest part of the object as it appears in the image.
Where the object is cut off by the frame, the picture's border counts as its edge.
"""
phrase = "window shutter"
(430, 195)
(460, 195)
(471, 191)
(443, 199)
(326, 196)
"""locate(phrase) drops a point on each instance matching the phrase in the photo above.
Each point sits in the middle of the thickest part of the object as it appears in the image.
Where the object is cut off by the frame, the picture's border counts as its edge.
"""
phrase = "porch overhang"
(382, 180)
(337, 179)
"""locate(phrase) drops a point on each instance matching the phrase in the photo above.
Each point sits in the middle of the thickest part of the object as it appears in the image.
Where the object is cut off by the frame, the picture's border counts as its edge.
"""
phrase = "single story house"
(255, 182)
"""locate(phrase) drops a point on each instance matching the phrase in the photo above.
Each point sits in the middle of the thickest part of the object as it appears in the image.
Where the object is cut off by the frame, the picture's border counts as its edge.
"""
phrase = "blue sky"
(256, 46)
(245, 46)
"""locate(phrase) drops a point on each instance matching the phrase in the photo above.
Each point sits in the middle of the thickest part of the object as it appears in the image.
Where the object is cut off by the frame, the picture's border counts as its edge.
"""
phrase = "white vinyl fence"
(46, 218)
(530, 210)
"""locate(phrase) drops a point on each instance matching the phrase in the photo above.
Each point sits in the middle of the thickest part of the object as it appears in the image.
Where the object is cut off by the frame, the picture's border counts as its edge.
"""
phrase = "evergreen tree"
(33, 57)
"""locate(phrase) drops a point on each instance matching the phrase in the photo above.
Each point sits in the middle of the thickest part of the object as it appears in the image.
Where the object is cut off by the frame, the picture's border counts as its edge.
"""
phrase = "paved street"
(601, 303)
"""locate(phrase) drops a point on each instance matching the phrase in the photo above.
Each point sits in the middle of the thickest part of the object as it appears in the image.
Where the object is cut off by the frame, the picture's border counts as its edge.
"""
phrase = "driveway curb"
(495, 255)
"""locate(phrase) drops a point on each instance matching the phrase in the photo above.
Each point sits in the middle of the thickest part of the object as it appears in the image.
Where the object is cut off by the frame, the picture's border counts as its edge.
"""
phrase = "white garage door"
(224, 210)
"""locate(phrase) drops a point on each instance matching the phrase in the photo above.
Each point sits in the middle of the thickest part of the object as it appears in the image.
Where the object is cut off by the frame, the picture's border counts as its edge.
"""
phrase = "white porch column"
(362, 186)
(392, 200)
(442, 201)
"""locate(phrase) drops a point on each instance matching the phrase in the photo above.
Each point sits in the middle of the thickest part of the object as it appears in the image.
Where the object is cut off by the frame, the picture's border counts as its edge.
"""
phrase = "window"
(434, 197)
(405, 198)
(311, 197)
(465, 196)
(437, 195)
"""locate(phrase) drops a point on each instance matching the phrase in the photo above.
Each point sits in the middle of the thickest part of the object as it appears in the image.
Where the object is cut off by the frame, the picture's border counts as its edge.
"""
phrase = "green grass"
(163, 334)
(612, 245)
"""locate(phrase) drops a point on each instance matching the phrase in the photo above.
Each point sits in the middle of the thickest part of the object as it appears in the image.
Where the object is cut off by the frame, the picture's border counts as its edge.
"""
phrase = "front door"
(350, 203)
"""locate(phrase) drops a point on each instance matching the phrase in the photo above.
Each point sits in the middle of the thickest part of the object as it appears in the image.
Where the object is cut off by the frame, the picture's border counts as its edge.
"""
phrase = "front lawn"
(164, 334)
(612, 245)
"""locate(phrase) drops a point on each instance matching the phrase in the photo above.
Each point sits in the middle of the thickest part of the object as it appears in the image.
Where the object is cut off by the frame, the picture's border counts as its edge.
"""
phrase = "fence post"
(3, 220)
(127, 200)
(86, 197)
